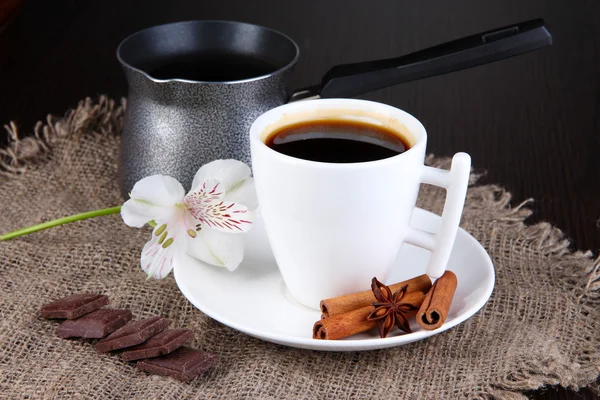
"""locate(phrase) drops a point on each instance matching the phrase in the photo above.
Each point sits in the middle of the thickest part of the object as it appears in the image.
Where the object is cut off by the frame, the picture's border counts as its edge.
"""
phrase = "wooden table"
(532, 122)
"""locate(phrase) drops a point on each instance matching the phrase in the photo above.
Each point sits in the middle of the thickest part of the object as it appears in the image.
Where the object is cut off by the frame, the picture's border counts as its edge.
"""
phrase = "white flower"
(206, 223)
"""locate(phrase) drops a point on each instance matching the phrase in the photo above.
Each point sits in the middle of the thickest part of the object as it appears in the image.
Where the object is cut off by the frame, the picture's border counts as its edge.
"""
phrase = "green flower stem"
(60, 221)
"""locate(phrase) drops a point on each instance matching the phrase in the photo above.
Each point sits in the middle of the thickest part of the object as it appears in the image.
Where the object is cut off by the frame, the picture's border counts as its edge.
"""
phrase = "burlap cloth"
(541, 325)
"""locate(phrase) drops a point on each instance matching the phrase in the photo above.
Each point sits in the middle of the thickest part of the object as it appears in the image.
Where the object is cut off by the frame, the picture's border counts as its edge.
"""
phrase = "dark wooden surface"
(533, 122)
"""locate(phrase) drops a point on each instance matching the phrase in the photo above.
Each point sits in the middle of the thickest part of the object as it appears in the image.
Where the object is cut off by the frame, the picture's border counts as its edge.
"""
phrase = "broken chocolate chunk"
(183, 364)
(74, 306)
(133, 333)
(163, 343)
(97, 324)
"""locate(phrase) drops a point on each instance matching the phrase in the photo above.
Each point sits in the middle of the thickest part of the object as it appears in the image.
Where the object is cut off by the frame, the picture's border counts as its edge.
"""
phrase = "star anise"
(390, 310)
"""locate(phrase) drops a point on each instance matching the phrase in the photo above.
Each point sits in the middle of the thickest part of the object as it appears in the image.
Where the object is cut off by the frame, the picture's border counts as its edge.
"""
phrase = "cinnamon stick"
(354, 301)
(350, 323)
(343, 325)
(434, 310)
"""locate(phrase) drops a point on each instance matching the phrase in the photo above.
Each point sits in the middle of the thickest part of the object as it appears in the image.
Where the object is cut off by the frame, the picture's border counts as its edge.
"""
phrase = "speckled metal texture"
(175, 126)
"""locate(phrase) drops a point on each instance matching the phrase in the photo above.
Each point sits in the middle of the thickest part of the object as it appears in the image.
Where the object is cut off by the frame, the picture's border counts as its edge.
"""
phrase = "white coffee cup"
(334, 226)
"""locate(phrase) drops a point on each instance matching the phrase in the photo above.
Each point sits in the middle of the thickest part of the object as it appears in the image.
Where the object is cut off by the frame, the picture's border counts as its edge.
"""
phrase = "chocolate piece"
(134, 333)
(74, 306)
(94, 325)
(163, 343)
(184, 363)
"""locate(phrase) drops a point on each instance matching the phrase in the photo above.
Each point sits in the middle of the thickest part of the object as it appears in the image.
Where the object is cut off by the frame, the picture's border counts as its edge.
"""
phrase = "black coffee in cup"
(337, 141)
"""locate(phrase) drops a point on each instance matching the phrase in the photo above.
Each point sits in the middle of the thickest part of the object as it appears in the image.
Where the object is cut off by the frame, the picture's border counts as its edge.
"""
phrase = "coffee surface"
(337, 141)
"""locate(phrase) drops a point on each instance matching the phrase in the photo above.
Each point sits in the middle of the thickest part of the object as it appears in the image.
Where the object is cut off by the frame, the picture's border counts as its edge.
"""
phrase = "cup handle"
(440, 244)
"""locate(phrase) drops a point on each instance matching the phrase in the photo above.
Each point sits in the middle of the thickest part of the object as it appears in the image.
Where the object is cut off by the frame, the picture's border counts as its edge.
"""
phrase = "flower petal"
(208, 191)
(217, 248)
(152, 198)
(231, 173)
(244, 194)
(160, 190)
(205, 206)
(136, 215)
(157, 259)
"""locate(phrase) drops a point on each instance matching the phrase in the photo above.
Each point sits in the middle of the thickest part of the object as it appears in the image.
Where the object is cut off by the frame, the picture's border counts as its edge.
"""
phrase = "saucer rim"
(353, 344)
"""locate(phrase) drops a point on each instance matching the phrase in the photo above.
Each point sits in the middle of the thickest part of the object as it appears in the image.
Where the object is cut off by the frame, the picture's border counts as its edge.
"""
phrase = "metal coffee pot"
(196, 87)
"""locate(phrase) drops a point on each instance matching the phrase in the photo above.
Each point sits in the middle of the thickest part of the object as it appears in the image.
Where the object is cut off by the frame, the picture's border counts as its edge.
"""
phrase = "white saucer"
(254, 300)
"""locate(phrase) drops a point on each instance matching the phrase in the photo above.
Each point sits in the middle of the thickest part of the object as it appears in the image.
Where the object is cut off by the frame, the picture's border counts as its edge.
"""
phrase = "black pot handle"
(351, 80)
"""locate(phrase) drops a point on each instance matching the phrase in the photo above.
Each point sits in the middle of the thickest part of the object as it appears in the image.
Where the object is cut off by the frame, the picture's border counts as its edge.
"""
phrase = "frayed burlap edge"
(103, 116)
(578, 271)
